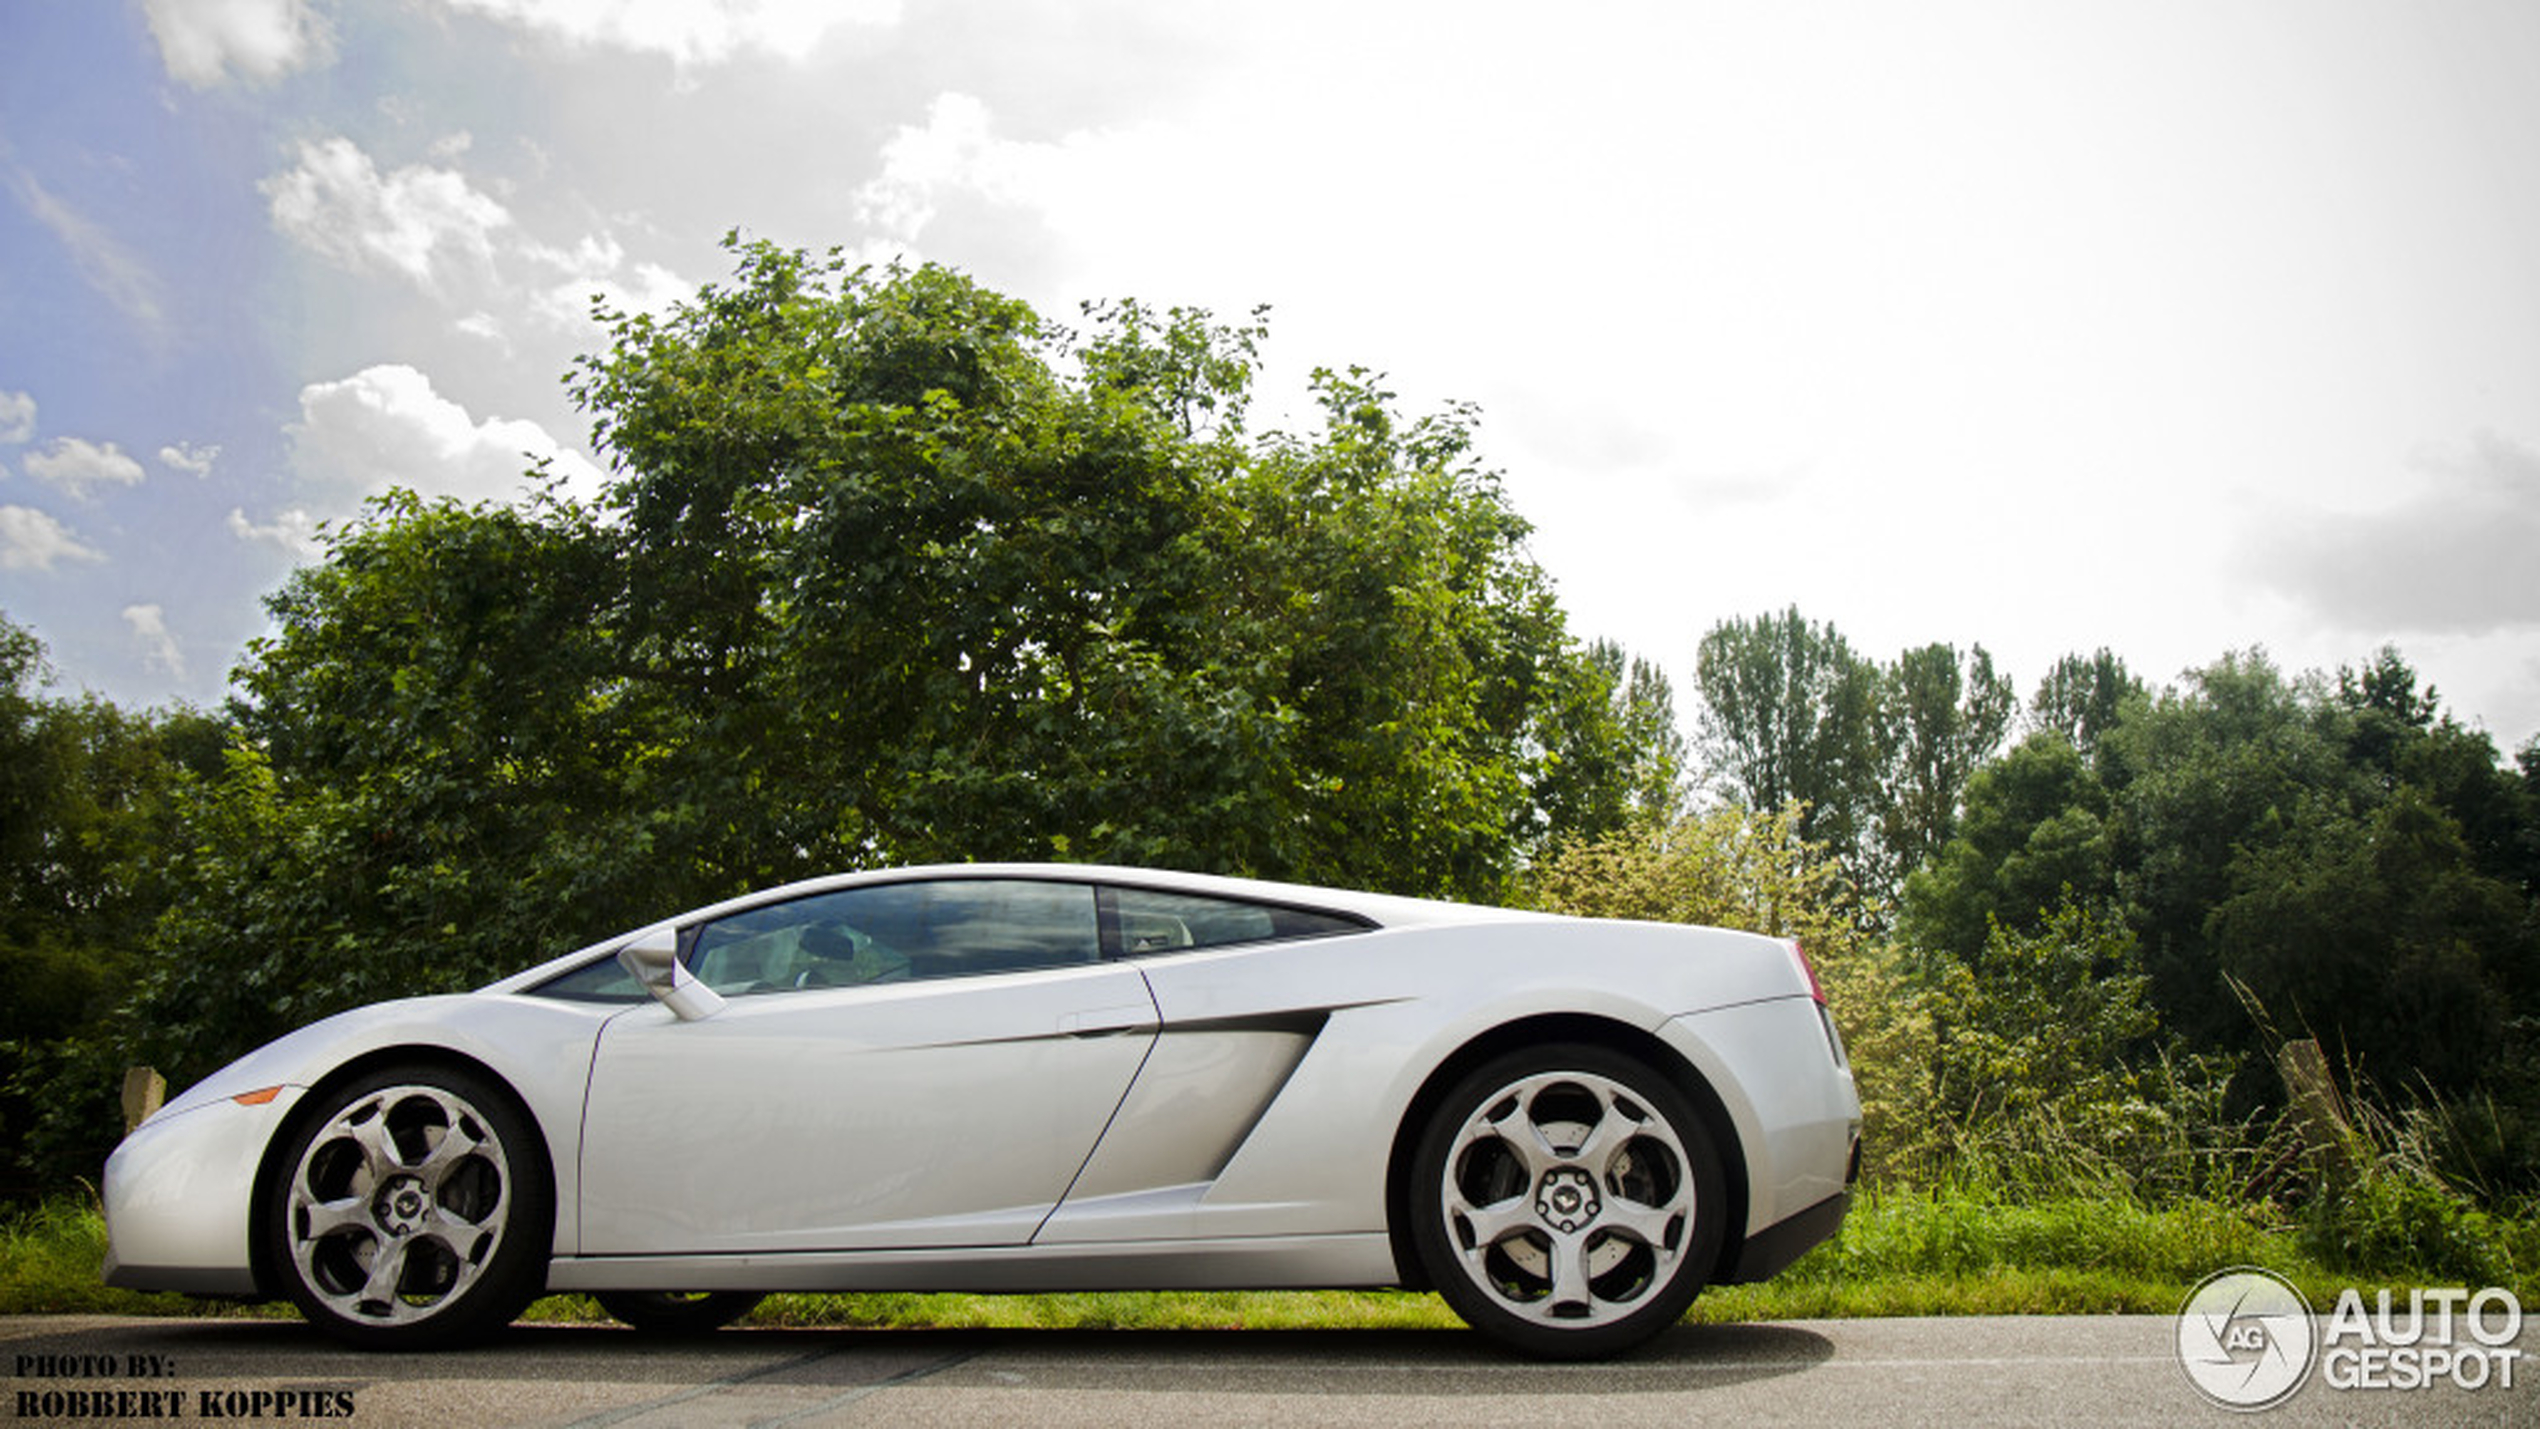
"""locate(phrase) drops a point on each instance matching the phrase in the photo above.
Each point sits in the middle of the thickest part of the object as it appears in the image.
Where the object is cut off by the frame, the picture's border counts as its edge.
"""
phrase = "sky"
(2174, 327)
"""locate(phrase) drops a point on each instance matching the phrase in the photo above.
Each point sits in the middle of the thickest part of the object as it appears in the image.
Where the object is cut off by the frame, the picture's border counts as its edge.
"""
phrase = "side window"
(895, 932)
(1153, 922)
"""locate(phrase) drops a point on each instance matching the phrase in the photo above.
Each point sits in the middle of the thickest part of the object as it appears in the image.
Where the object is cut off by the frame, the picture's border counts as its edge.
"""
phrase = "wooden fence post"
(143, 1091)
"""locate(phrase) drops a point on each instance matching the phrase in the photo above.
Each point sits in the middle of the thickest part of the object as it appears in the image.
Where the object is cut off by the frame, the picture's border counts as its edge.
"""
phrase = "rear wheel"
(674, 1312)
(1567, 1201)
(413, 1210)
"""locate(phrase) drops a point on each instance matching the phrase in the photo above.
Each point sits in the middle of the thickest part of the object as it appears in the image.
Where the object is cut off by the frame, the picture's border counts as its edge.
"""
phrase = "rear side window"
(1150, 922)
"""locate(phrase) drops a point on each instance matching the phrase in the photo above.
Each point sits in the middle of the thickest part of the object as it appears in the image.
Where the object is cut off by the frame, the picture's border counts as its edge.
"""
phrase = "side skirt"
(1315, 1262)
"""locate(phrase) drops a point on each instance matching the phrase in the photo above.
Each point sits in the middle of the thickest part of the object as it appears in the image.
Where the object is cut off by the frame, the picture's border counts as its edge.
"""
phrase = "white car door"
(898, 1065)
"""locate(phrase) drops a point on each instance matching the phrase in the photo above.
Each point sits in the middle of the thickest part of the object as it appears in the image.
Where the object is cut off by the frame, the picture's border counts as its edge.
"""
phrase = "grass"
(49, 1260)
(1959, 1252)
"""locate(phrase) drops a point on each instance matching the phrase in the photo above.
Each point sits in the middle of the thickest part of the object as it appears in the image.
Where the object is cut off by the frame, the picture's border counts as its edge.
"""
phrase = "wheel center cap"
(1567, 1199)
(400, 1205)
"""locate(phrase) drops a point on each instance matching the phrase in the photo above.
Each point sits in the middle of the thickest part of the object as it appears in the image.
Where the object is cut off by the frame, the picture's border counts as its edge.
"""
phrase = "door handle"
(1108, 1021)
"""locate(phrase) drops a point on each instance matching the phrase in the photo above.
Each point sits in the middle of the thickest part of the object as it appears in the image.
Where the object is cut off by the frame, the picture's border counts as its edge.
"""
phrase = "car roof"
(1383, 910)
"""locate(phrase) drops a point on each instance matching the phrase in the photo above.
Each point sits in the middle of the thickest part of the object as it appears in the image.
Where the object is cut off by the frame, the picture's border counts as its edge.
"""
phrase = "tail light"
(1817, 994)
(1816, 989)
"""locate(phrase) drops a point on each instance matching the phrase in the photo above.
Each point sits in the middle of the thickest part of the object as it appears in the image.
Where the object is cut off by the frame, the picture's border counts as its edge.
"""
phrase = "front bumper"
(180, 1197)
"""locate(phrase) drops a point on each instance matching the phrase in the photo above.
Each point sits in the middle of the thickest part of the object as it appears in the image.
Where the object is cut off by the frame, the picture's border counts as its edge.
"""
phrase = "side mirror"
(653, 960)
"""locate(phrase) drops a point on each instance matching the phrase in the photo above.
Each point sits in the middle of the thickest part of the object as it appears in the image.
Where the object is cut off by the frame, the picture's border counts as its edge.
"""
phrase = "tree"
(1615, 753)
(1940, 719)
(2036, 837)
(86, 817)
(2376, 932)
(1789, 720)
(2341, 853)
(2082, 698)
(987, 610)
(890, 571)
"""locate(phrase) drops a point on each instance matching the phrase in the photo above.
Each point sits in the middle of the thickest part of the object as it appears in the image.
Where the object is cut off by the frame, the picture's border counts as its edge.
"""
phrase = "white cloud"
(956, 150)
(110, 266)
(185, 456)
(597, 267)
(690, 31)
(2454, 557)
(338, 204)
(485, 327)
(17, 418)
(33, 541)
(158, 647)
(204, 41)
(385, 426)
(294, 532)
(75, 466)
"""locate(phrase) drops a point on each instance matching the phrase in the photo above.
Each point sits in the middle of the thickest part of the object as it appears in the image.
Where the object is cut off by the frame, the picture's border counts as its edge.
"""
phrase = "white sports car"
(1027, 1078)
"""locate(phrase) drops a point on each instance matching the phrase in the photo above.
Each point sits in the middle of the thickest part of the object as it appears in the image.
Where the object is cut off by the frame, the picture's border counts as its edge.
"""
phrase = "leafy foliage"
(1789, 719)
(890, 571)
(87, 810)
(1940, 719)
(1876, 758)
(2342, 854)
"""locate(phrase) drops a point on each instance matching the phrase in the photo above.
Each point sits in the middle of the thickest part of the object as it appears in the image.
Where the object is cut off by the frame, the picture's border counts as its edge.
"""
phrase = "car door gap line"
(1105, 1134)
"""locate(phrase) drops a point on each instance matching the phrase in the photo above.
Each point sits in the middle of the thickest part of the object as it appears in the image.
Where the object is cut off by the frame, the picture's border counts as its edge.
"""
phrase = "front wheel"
(1567, 1201)
(413, 1210)
(672, 1312)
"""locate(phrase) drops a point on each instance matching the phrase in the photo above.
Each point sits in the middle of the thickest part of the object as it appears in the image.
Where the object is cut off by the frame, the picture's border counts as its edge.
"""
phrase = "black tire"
(1567, 1201)
(436, 1166)
(673, 1312)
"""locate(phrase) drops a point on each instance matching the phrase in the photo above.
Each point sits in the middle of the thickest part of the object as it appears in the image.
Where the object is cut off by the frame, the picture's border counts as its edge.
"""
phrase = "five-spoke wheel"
(412, 1209)
(1567, 1200)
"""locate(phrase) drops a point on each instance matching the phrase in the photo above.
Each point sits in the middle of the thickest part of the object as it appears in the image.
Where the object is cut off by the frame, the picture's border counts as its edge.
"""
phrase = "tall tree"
(891, 570)
(2082, 697)
(1940, 719)
(1788, 718)
(1615, 753)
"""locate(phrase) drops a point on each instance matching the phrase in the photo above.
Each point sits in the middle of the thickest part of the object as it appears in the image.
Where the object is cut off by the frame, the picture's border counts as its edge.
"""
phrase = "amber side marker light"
(257, 1098)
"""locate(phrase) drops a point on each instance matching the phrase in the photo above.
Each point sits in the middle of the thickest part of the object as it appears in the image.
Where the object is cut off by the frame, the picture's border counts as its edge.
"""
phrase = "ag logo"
(2244, 1338)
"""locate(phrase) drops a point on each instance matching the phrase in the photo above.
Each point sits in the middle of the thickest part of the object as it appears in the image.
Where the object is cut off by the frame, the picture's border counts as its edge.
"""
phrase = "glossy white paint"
(185, 1224)
(1194, 1102)
(953, 1112)
(1796, 1124)
(1214, 1117)
(541, 1047)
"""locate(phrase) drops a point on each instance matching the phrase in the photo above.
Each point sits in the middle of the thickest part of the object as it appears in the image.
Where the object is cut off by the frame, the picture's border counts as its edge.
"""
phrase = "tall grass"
(50, 1255)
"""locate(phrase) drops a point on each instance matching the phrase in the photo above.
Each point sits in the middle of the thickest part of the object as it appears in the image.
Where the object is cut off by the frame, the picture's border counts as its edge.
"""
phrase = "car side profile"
(1027, 1078)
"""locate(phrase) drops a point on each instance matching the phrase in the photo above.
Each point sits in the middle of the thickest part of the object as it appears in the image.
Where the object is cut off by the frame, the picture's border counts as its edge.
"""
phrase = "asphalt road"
(1881, 1374)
